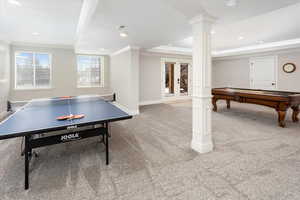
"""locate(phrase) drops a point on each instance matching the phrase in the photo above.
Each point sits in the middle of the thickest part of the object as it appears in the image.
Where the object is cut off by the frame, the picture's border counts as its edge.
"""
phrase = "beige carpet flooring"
(151, 159)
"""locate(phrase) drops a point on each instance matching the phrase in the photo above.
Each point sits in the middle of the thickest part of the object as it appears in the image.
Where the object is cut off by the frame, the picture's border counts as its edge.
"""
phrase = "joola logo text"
(69, 137)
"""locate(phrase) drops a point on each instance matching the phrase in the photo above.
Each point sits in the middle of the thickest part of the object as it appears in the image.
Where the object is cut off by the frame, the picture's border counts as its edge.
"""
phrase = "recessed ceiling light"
(123, 34)
(231, 3)
(35, 33)
(14, 2)
(212, 32)
(240, 38)
(123, 31)
(102, 49)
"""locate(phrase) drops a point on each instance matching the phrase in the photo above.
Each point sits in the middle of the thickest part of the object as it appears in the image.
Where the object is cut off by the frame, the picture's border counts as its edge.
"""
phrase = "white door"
(263, 73)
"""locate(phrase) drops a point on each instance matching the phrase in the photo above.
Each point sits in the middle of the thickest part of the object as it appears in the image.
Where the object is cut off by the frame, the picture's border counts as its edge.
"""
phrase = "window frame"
(33, 63)
(102, 71)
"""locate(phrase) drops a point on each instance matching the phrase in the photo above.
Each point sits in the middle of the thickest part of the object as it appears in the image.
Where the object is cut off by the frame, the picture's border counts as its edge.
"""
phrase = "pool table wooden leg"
(281, 118)
(214, 102)
(228, 103)
(295, 113)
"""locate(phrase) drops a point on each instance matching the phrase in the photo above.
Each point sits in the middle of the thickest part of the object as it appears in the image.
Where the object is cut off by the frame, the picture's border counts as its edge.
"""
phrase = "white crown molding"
(274, 46)
(124, 50)
(163, 54)
(93, 52)
(203, 18)
(56, 46)
(255, 54)
(120, 51)
(287, 45)
(171, 50)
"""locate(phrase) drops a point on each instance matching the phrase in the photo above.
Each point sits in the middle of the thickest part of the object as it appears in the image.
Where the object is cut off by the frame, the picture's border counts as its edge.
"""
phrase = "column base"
(201, 147)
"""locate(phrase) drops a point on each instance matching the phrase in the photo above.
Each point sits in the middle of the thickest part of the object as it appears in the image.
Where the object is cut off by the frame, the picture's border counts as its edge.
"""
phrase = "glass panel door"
(169, 79)
(184, 79)
(176, 79)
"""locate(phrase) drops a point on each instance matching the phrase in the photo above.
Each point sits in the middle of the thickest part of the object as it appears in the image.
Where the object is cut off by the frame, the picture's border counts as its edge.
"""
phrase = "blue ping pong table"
(37, 123)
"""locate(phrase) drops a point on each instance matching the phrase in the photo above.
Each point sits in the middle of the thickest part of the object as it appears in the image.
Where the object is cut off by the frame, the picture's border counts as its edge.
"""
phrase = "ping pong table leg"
(106, 144)
(27, 149)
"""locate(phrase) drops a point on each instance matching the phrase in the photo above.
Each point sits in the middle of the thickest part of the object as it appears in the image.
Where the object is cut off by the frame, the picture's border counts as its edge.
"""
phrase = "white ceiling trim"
(259, 54)
(274, 46)
(92, 52)
(87, 11)
(58, 46)
(201, 18)
(171, 50)
(124, 50)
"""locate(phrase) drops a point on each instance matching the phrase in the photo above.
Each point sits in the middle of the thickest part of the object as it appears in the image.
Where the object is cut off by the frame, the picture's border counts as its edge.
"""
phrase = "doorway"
(169, 79)
(176, 79)
(263, 73)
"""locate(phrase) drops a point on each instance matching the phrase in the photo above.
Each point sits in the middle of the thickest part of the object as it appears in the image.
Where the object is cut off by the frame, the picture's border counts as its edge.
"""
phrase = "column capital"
(202, 18)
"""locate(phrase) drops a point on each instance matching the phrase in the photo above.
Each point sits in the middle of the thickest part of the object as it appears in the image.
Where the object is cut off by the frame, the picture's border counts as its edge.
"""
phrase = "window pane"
(24, 70)
(88, 71)
(42, 70)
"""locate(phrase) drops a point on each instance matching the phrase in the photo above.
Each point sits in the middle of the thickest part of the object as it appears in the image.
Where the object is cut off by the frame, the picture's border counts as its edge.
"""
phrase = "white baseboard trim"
(201, 148)
(172, 99)
(165, 100)
(124, 108)
(144, 103)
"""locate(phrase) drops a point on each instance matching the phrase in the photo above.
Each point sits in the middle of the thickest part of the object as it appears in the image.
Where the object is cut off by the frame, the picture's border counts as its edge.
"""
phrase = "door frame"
(176, 61)
(252, 59)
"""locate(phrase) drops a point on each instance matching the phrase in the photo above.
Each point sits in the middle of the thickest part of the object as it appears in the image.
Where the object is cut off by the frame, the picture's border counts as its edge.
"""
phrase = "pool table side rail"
(291, 98)
(253, 90)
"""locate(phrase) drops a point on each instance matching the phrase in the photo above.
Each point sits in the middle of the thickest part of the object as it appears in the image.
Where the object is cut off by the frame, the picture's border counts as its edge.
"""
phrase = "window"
(89, 71)
(32, 70)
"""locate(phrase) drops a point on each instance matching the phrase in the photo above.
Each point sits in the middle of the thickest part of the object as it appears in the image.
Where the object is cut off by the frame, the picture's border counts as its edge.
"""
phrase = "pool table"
(281, 101)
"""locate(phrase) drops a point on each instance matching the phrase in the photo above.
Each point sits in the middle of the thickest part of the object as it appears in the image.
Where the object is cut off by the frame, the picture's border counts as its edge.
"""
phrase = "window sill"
(99, 86)
(32, 89)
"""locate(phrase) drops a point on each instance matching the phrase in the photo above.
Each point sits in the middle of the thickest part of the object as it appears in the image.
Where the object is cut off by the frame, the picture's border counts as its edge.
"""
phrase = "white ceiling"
(150, 23)
(277, 25)
(54, 20)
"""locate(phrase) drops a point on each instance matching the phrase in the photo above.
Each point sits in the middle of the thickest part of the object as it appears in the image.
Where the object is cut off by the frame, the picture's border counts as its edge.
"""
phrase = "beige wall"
(124, 72)
(234, 72)
(289, 81)
(231, 73)
(150, 78)
(4, 77)
(64, 76)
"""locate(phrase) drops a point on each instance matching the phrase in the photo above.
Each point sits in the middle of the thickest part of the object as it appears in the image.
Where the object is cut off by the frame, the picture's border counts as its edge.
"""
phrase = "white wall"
(4, 76)
(231, 73)
(124, 80)
(64, 76)
(234, 71)
(287, 81)
(150, 76)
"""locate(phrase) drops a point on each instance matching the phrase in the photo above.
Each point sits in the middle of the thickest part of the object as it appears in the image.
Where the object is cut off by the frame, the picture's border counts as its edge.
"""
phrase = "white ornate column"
(202, 138)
